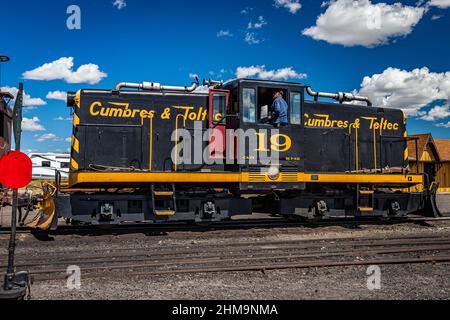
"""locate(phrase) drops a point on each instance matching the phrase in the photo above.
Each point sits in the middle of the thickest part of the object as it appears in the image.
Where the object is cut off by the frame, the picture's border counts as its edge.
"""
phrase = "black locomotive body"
(135, 156)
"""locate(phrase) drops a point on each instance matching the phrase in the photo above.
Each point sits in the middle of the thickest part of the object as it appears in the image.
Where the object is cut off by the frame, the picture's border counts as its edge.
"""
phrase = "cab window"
(249, 105)
(219, 105)
(296, 99)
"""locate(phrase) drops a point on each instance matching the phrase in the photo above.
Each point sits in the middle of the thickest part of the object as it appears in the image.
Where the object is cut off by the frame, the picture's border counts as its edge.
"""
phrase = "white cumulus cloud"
(32, 125)
(292, 5)
(443, 125)
(410, 91)
(28, 101)
(362, 23)
(246, 10)
(443, 4)
(119, 4)
(57, 95)
(47, 137)
(262, 73)
(257, 25)
(60, 118)
(437, 113)
(62, 69)
(251, 38)
(224, 33)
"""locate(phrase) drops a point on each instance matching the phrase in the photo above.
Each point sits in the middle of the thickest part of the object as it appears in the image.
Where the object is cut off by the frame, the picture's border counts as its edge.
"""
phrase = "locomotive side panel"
(353, 139)
(132, 131)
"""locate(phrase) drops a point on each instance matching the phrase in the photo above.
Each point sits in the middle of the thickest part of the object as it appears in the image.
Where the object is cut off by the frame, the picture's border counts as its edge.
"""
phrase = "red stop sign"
(15, 170)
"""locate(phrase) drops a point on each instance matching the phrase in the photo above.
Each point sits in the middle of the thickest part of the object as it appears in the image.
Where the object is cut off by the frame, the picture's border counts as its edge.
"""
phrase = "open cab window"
(257, 103)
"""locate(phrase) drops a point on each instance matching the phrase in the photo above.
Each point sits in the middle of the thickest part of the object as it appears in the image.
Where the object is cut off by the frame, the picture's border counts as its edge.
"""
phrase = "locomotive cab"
(251, 101)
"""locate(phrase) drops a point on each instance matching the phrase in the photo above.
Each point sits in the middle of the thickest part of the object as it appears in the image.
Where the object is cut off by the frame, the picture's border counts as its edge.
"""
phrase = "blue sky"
(166, 42)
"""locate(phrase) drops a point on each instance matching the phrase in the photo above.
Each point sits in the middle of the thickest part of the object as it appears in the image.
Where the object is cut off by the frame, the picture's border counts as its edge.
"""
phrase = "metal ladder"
(165, 195)
(365, 199)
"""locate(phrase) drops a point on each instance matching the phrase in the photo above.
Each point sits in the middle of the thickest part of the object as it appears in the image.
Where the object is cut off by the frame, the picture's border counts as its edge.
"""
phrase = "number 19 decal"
(278, 143)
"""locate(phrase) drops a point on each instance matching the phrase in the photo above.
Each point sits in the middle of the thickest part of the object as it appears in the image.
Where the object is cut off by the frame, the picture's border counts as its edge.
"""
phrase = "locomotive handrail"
(339, 96)
(154, 86)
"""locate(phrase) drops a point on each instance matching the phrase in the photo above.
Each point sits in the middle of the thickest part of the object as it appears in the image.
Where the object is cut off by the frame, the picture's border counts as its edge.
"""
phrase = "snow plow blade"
(431, 208)
(433, 203)
(46, 219)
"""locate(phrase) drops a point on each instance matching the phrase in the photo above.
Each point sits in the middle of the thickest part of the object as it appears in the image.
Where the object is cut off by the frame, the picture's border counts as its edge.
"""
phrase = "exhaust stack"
(339, 96)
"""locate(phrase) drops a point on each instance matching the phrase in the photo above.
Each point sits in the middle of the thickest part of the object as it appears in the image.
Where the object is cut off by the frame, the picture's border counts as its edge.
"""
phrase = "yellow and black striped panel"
(406, 154)
(75, 142)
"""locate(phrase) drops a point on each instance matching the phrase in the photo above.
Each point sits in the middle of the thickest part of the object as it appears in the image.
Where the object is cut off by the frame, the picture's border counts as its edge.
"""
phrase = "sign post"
(15, 173)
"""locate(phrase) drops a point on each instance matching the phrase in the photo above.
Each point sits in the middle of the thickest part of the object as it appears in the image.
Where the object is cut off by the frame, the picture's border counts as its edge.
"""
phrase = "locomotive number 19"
(278, 143)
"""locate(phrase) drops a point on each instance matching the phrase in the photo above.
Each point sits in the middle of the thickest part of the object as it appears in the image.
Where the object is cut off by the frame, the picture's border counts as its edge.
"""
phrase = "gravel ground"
(443, 202)
(417, 281)
(397, 282)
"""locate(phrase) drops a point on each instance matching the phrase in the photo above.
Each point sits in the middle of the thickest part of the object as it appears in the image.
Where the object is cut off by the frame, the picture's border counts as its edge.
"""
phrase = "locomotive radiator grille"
(262, 177)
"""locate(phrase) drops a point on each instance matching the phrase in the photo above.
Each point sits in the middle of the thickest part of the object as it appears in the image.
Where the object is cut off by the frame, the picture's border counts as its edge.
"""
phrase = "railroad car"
(5, 123)
(153, 153)
(6, 115)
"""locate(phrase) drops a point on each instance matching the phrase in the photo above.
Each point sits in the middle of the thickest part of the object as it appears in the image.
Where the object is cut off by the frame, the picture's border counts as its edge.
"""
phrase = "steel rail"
(188, 260)
(426, 259)
(260, 267)
(237, 224)
(176, 250)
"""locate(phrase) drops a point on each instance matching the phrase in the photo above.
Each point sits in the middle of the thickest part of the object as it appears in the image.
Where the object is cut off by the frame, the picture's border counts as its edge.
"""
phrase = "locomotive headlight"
(273, 173)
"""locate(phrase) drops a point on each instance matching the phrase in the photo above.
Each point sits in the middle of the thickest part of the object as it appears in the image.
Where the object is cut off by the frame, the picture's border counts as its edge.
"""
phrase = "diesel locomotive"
(146, 152)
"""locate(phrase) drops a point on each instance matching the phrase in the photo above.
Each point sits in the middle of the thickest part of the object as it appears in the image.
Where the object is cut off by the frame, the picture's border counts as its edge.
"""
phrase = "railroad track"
(236, 224)
(240, 257)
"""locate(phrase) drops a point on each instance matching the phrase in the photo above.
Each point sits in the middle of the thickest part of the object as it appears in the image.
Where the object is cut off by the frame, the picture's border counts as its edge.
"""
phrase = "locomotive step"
(366, 192)
(365, 209)
(163, 193)
(165, 213)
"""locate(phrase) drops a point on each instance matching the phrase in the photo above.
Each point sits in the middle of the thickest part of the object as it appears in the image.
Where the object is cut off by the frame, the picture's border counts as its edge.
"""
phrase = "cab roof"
(261, 81)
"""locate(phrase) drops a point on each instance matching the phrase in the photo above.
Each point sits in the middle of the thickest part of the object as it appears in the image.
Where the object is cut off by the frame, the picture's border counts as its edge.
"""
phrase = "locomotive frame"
(335, 159)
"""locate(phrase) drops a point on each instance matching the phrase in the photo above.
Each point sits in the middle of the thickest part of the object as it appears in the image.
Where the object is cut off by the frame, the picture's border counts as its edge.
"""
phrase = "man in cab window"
(278, 115)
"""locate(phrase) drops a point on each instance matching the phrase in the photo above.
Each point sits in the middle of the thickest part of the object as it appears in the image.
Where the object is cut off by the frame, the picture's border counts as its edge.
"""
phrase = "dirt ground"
(443, 202)
(409, 282)
(412, 282)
